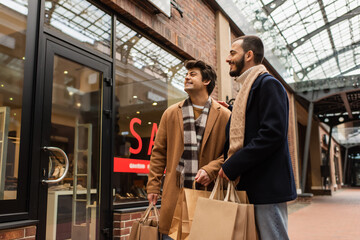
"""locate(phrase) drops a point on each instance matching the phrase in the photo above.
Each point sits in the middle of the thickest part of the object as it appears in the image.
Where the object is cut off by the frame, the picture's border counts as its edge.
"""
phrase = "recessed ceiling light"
(66, 72)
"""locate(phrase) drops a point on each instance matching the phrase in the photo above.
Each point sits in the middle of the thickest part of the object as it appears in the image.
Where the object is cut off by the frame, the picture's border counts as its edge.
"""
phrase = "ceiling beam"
(324, 15)
(346, 103)
(271, 6)
(303, 39)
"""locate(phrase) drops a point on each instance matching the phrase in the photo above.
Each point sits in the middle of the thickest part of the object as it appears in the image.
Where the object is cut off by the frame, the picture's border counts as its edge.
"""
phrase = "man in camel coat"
(197, 123)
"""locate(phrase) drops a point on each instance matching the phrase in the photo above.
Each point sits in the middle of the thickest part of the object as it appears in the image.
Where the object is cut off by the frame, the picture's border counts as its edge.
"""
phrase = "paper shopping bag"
(226, 219)
(184, 212)
(145, 228)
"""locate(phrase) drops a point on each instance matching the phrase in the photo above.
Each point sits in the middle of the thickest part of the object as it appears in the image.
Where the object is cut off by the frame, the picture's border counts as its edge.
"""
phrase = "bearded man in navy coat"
(257, 150)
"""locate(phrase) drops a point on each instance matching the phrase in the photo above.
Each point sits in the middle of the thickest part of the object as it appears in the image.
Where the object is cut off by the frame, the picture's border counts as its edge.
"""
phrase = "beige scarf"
(237, 125)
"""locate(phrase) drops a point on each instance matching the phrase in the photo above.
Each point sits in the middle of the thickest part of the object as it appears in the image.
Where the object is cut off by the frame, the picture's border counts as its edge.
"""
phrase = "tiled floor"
(327, 217)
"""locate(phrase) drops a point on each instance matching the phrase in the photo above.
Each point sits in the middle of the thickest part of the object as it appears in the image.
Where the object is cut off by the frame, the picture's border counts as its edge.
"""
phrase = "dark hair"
(207, 72)
(254, 44)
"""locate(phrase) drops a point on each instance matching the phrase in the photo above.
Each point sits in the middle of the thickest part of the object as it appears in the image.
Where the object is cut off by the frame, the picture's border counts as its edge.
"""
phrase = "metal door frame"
(51, 47)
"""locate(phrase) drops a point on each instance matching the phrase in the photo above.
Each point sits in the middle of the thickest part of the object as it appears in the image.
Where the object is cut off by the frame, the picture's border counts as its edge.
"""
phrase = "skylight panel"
(321, 42)
(355, 27)
(330, 12)
(288, 22)
(346, 61)
(330, 68)
(316, 21)
(316, 73)
(294, 33)
(303, 48)
(341, 30)
(354, 3)
(285, 11)
(336, 9)
(295, 64)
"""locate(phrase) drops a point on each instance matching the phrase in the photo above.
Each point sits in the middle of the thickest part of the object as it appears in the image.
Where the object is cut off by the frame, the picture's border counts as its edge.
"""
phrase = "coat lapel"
(213, 115)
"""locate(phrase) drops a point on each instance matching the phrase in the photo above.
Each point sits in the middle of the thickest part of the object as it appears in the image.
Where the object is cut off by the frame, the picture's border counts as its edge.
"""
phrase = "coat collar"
(212, 117)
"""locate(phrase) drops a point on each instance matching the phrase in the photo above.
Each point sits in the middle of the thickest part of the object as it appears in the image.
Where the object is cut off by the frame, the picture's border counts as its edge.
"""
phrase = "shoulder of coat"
(219, 107)
(174, 107)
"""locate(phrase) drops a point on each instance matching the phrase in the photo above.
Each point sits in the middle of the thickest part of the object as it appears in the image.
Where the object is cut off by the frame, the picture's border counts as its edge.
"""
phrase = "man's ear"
(206, 82)
(249, 56)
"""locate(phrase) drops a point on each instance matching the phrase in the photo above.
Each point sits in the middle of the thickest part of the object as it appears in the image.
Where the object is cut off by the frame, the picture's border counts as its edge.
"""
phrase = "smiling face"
(236, 59)
(193, 81)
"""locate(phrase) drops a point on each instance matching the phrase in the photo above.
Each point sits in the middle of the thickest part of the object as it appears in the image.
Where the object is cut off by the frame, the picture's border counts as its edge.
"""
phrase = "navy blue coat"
(264, 164)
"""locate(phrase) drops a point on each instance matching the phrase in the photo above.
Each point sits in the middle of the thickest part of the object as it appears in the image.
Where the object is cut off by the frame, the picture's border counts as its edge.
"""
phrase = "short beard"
(239, 67)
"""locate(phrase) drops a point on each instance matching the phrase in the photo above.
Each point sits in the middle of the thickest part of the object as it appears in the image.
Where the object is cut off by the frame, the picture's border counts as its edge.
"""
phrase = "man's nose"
(228, 59)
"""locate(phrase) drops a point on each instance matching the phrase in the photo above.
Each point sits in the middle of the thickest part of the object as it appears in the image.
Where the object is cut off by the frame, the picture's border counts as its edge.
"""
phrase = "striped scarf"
(193, 132)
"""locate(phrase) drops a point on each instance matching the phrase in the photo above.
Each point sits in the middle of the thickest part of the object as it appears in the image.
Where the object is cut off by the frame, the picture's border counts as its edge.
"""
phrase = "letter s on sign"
(138, 138)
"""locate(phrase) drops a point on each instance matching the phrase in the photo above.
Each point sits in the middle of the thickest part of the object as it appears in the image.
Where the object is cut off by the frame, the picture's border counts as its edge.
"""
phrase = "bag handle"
(194, 186)
(147, 213)
(218, 190)
(231, 195)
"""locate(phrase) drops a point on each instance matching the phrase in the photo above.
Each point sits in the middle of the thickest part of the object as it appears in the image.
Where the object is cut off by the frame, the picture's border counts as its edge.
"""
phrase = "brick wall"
(123, 223)
(27, 233)
(193, 35)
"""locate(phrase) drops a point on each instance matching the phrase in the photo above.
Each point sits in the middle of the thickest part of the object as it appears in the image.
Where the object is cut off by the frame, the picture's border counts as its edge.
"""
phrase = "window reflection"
(148, 80)
(13, 19)
(82, 21)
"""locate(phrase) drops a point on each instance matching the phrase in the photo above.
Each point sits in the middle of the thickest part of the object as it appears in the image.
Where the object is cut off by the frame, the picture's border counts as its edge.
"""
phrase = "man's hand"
(223, 175)
(152, 197)
(202, 177)
(223, 103)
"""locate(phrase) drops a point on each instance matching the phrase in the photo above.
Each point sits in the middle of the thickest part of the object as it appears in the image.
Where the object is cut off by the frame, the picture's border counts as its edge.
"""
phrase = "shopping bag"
(226, 219)
(184, 212)
(145, 228)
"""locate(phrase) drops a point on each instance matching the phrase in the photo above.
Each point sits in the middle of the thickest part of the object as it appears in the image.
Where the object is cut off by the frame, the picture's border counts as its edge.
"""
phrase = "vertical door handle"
(59, 150)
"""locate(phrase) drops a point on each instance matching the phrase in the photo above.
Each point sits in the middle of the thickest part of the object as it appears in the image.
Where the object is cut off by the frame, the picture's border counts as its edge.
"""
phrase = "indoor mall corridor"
(334, 217)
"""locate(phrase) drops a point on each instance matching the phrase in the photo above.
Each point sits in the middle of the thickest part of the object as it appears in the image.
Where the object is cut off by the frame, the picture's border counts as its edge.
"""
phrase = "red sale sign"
(129, 165)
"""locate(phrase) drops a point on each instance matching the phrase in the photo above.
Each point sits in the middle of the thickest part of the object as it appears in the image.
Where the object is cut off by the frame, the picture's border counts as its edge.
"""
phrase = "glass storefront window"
(82, 21)
(13, 20)
(148, 80)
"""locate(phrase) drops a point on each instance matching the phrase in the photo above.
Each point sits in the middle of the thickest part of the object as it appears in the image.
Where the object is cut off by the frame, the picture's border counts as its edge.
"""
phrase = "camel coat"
(168, 148)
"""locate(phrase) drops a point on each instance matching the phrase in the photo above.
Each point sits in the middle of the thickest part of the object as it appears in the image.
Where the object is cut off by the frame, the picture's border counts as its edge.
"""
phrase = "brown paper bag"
(184, 212)
(226, 220)
(145, 228)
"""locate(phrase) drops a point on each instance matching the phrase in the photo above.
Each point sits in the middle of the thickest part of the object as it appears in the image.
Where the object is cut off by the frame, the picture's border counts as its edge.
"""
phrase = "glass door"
(73, 125)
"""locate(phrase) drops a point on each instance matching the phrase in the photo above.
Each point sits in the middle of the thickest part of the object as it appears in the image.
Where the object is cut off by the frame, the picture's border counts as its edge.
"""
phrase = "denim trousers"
(272, 221)
(166, 237)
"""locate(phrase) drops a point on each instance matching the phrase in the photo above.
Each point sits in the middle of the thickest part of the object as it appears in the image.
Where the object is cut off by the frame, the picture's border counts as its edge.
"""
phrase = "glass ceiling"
(316, 39)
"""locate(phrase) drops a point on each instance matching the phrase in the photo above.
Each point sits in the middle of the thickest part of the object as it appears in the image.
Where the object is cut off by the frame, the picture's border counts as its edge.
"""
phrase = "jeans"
(271, 221)
(166, 237)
